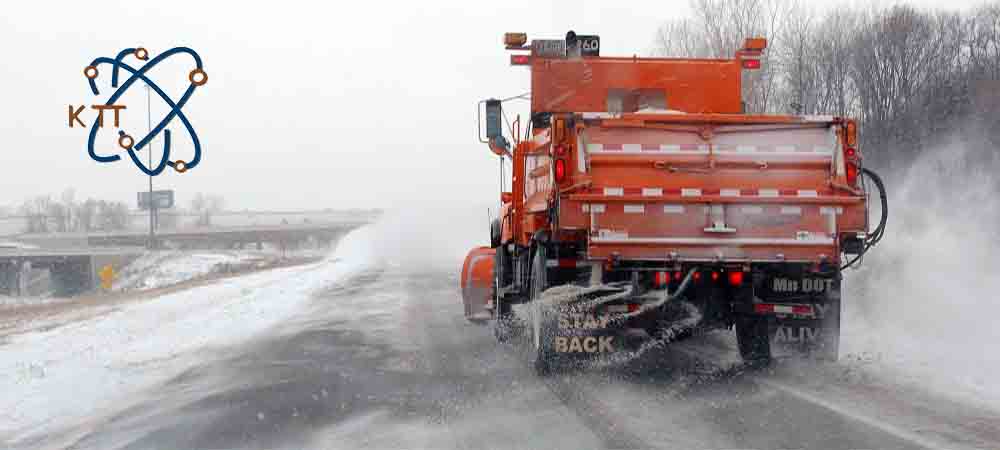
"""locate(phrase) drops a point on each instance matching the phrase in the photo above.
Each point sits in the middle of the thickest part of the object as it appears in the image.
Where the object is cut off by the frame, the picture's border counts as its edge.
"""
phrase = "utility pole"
(149, 150)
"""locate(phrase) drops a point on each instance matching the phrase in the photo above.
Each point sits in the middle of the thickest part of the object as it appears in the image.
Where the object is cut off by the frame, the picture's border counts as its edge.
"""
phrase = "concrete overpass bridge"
(73, 259)
(71, 270)
(282, 236)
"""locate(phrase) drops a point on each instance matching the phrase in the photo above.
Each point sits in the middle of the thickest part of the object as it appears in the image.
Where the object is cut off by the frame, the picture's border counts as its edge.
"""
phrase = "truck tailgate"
(749, 192)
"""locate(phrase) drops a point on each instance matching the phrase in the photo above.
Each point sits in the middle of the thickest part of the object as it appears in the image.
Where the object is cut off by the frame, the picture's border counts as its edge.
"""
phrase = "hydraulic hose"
(875, 236)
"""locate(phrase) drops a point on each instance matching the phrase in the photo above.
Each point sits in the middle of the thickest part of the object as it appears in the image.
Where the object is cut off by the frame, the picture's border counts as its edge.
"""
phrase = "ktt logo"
(196, 76)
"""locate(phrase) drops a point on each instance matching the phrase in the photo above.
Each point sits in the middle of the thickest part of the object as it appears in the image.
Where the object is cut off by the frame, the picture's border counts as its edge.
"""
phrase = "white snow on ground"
(923, 308)
(7, 301)
(15, 245)
(82, 369)
(164, 268)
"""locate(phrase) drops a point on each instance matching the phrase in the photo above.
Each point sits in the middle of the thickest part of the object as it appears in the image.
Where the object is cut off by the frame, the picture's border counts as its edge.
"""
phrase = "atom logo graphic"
(197, 77)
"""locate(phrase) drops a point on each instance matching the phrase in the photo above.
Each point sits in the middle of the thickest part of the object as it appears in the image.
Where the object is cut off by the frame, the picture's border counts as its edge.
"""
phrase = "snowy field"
(106, 359)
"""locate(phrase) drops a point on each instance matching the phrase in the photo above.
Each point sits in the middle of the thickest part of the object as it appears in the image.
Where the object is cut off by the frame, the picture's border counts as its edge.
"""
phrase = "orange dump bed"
(692, 188)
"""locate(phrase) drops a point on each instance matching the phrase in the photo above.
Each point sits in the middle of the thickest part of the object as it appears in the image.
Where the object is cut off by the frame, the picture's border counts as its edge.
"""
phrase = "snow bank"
(84, 369)
(164, 268)
(925, 302)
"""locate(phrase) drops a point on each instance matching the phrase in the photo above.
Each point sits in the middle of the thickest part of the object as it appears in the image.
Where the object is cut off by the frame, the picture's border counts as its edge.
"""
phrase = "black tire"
(827, 347)
(495, 233)
(754, 340)
(540, 327)
(503, 323)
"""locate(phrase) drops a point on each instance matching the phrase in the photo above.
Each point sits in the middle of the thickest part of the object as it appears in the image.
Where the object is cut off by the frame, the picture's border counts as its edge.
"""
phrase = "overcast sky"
(308, 104)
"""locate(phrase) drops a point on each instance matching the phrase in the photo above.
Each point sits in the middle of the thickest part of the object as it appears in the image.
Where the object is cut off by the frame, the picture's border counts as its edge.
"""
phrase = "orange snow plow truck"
(646, 205)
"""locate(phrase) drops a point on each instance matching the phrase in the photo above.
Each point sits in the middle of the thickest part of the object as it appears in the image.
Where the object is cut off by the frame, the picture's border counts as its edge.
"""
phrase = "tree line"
(48, 214)
(914, 78)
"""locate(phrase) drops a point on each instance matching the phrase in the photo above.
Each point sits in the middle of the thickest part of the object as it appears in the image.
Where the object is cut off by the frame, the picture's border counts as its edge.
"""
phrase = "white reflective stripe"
(818, 240)
(808, 193)
(690, 192)
(581, 160)
(746, 148)
(595, 147)
(785, 148)
(822, 149)
(652, 192)
(791, 210)
(767, 192)
(831, 210)
(752, 210)
(703, 148)
(597, 115)
(783, 309)
(729, 193)
(670, 148)
(817, 118)
(673, 209)
(571, 262)
(632, 147)
(614, 191)
(612, 235)
(617, 308)
(596, 208)
(635, 209)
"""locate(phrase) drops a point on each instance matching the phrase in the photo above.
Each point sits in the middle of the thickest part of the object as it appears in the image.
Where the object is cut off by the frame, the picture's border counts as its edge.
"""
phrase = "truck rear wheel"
(754, 340)
(541, 327)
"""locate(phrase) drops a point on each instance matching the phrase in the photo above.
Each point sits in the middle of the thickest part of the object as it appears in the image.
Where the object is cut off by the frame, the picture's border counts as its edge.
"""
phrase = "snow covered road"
(369, 350)
(70, 373)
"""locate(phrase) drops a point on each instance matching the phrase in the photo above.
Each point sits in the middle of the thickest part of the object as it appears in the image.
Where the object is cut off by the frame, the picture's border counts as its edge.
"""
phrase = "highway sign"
(161, 199)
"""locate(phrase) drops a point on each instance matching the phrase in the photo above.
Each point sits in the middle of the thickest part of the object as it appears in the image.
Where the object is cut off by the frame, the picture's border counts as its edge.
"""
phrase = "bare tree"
(898, 54)
(205, 206)
(718, 28)
(86, 215)
(35, 211)
(58, 216)
(68, 199)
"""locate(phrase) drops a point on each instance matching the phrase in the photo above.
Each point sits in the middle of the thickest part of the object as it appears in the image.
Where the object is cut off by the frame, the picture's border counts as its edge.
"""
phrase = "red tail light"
(850, 153)
(735, 278)
(520, 60)
(715, 276)
(751, 64)
(697, 276)
(633, 307)
(560, 170)
(677, 275)
(661, 278)
(852, 174)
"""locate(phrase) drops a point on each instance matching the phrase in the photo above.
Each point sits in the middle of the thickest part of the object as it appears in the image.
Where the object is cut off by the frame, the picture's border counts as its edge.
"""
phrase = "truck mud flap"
(583, 334)
(804, 313)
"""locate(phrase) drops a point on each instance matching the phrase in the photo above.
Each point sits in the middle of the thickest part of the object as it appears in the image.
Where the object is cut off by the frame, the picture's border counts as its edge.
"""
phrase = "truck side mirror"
(494, 115)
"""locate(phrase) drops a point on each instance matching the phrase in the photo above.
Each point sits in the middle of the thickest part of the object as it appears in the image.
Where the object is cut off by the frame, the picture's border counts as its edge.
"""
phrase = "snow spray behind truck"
(646, 204)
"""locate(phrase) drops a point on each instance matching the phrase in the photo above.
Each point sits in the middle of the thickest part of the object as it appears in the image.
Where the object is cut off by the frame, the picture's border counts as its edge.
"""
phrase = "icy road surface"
(362, 351)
